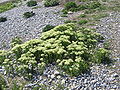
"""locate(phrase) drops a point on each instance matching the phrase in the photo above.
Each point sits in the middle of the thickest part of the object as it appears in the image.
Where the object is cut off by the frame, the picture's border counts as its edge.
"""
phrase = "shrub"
(81, 22)
(2, 56)
(66, 45)
(64, 15)
(15, 41)
(49, 3)
(82, 7)
(93, 5)
(47, 28)
(70, 5)
(3, 19)
(65, 11)
(31, 3)
(101, 56)
(28, 14)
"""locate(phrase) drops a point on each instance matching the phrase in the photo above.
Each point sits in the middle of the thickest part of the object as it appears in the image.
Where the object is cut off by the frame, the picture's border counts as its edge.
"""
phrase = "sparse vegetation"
(47, 28)
(50, 3)
(3, 19)
(31, 3)
(82, 16)
(81, 22)
(70, 5)
(6, 6)
(28, 14)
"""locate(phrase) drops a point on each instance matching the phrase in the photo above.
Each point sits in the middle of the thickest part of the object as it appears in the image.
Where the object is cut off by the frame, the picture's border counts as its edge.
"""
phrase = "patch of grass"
(70, 5)
(99, 16)
(6, 6)
(82, 16)
(70, 21)
(90, 11)
(81, 22)
(50, 3)
(64, 15)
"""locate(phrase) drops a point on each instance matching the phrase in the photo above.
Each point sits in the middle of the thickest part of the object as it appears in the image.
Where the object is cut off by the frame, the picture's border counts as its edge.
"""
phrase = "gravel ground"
(29, 28)
(110, 29)
(100, 77)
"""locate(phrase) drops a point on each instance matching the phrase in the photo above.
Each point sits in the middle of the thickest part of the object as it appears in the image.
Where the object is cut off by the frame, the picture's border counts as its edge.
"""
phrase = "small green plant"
(64, 15)
(107, 45)
(70, 21)
(65, 11)
(31, 3)
(28, 14)
(2, 56)
(82, 7)
(70, 5)
(47, 28)
(93, 5)
(82, 16)
(50, 3)
(6, 6)
(81, 22)
(3, 19)
(90, 11)
(101, 56)
(99, 16)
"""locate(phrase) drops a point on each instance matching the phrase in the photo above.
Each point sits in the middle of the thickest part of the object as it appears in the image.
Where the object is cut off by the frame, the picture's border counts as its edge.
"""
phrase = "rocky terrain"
(99, 77)
(17, 25)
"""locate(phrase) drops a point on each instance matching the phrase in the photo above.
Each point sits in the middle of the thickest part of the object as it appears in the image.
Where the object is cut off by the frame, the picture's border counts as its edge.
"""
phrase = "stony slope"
(29, 28)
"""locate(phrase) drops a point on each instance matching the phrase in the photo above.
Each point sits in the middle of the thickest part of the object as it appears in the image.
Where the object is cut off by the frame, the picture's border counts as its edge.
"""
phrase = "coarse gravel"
(17, 25)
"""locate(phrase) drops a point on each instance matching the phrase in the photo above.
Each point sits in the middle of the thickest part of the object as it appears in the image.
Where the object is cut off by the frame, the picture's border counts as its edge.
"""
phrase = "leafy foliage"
(50, 3)
(70, 5)
(31, 3)
(15, 41)
(47, 28)
(2, 56)
(2, 83)
(29, 14)
(69, 47)
(82, 16)
(6, 6)
(81, 22)
(3, 19)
